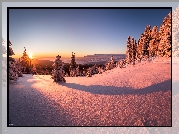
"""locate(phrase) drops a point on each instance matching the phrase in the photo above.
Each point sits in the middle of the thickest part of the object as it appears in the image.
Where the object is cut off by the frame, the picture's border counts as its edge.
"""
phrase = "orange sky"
(48, 55)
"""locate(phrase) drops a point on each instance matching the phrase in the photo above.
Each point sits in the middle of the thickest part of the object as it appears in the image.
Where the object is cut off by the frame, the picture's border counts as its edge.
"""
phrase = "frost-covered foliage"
(73, 66)
(57, 72)
(13, 71)
(19, 68)
(25, 62)
(4, 63)
(175, 32)
(153, 42)
(164, 47)
(110, 65)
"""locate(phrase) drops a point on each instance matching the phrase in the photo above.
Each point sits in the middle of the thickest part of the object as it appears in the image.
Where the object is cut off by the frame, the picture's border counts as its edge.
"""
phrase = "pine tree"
(34, 69)
(57, 72)
(175, 33)
(110, 64)
(89, 72)
(25, 62)
(73, 66)
(139, 49)
(121, 63)
(19, 68)
(164, 48)
(154, 41)
(129, 51)
(13, 71)
(146, 39)
(133, 50)
(78, 70)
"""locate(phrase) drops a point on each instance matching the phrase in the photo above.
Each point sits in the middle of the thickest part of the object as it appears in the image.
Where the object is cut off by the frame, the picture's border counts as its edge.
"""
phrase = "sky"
(50, 32)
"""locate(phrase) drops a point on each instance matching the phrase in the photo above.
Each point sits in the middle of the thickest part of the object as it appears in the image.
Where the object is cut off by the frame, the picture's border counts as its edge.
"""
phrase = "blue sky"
(49, 32)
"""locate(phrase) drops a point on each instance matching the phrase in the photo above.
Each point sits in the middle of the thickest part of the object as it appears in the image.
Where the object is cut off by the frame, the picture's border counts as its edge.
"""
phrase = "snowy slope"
(131, 96)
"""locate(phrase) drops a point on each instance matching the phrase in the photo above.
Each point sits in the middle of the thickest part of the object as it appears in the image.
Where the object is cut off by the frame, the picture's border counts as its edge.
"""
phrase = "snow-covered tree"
(13, 71)
(4, 51)
(89, 72)
(66, 75)
(95, 69)
(34, 69)
(164, 48)
(175, 32)
(4, 63)
(99, 70)
(154, 41)
(83, 72)
(121, 63)
(19, 68)
(134, 50)
(25, 62)
(146, 39)
(139, 49)
(57, 72)
(73, 66)
(110, 65)
(78, 70)
(129, 51)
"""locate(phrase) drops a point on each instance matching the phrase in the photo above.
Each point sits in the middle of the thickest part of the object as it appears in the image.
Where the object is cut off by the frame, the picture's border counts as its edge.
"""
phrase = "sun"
(30, 55)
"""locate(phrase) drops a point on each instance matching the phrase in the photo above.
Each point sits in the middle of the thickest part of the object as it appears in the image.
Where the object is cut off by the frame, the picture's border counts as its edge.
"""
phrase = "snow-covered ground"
(132, 96)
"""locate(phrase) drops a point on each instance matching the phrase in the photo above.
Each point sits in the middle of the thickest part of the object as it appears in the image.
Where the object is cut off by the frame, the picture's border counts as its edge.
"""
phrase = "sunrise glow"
(30, 55)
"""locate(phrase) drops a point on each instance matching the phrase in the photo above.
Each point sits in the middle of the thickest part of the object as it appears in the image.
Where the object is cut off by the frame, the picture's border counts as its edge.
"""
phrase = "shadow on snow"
(111, 90)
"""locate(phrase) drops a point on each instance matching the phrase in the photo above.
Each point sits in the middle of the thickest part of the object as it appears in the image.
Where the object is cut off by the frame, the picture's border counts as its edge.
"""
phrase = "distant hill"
(43, 62)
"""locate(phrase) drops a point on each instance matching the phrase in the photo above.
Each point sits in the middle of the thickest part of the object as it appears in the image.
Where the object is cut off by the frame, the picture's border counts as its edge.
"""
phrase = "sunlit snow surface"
(132, 96)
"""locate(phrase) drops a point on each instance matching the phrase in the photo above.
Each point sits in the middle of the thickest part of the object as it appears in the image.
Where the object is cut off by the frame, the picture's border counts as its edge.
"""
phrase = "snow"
(131, 96)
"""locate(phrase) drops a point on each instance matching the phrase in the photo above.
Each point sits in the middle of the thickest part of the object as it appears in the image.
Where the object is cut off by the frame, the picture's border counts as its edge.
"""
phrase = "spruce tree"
(146, 39)
(25, 62)
(139, 49)
(129, 51)
(164, 47)
(73, 66)
(175, 33)
(13, 71)
(133, 50)
(154, 41)
(19, 67)
(57, 72)
(89, 72)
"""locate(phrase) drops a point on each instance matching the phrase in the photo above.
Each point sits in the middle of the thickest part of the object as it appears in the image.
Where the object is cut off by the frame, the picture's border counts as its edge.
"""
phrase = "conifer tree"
(25, 62)
(139, 49)
(57, 72)
(78, 70)
(73, 66)
(19, 68)
(110, 64)
(146, 39)
(13, 71)
(134, 49)
(175, 33)
(129, 51)
(154, 41)
(89, 72)
(164, 47)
